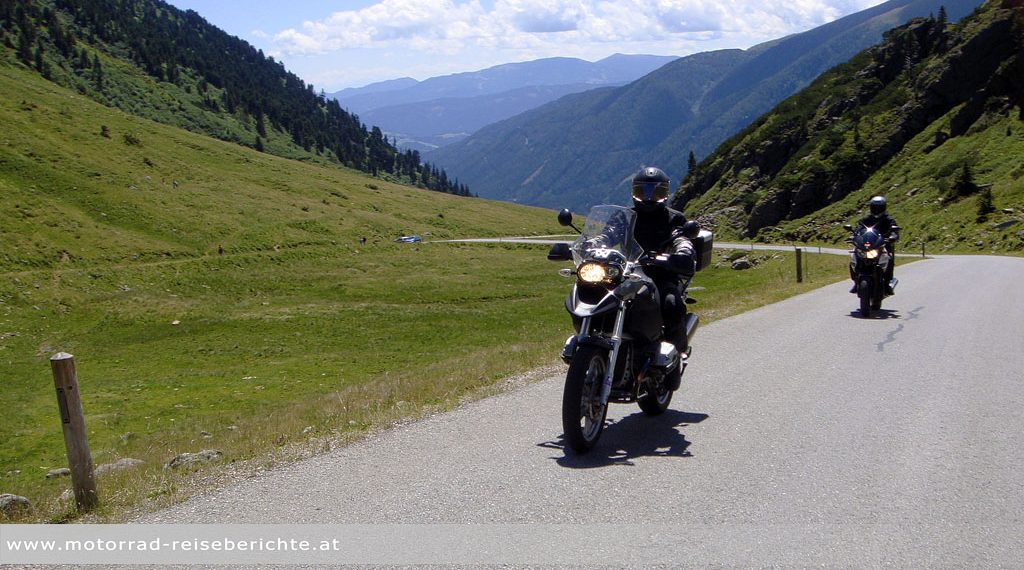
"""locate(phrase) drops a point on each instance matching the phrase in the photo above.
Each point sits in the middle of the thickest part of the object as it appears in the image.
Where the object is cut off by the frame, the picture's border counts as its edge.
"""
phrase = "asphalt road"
(802, 436)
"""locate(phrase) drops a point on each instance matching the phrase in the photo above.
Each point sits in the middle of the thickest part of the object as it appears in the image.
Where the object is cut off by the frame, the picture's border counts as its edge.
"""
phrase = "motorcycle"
(618, 354)
(869, 261)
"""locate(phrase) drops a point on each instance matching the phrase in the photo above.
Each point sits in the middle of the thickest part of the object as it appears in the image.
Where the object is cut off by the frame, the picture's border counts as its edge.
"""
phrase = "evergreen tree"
(39, 62)
(25, 48)
(985, 205)
(97, 72)
(691, 163)
(964, 185)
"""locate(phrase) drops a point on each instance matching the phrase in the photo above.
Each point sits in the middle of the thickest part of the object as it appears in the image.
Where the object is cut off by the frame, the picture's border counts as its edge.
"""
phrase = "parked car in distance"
(409, 239)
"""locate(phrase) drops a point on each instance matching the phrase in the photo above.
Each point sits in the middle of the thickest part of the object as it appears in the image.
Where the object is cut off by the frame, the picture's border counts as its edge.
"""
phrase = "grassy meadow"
(219, 298)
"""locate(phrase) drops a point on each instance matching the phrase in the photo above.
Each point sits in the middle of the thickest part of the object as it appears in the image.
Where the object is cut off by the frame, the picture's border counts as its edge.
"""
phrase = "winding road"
(802, 436)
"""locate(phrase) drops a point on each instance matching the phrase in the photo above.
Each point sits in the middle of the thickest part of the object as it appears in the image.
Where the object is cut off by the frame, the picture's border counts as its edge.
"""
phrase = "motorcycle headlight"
(592, 273)
(871, 253)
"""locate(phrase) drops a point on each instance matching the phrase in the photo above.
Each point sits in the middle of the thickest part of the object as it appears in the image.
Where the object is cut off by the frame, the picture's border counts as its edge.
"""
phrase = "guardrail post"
(72, 419)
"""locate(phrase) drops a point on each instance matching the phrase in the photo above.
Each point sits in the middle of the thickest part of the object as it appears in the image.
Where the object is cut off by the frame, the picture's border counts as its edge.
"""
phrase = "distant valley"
(423, 115)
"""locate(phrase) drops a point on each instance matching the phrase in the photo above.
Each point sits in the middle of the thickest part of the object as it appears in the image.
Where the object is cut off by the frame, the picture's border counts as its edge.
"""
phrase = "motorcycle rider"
(885, 225)
(660, 229)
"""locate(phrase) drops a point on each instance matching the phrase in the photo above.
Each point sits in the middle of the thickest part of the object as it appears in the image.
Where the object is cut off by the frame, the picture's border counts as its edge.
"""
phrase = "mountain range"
(581, 149)
(441, 110)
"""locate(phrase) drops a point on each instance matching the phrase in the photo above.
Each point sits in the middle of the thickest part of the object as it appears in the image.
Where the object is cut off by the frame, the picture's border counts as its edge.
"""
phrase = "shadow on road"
(877, 315)
(636, 435)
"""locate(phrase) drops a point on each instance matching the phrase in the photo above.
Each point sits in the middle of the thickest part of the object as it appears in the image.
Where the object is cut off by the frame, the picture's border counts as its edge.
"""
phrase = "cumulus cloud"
(487, 32)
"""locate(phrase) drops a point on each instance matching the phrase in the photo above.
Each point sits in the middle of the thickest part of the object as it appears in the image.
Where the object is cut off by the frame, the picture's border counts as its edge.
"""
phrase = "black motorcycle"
(869, 262)
(618, 353)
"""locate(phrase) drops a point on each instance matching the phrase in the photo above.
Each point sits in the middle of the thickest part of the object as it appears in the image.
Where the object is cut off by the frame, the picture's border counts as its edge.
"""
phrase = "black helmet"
(877, 205)
(650, 188)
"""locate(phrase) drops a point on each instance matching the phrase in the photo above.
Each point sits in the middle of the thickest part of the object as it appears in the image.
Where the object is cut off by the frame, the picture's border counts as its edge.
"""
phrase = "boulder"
(194, 459)
(59, 472)
(119, 465)
(14, 504)
(742, 263)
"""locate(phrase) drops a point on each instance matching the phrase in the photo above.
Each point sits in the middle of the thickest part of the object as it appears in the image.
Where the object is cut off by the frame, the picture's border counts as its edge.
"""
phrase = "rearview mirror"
(560, 252)
(565, 217)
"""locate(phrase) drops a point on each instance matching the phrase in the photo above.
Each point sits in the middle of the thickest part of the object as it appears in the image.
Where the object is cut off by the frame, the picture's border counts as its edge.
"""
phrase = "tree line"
(180, 47)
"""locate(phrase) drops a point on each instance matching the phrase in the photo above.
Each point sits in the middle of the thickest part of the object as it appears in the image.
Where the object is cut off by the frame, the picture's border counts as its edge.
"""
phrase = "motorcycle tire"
(582, 413)
(864, 292)
(656, 400)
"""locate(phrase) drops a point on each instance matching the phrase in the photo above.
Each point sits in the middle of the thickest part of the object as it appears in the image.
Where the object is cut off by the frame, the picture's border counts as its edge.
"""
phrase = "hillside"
(152, 60)
(578, 151)
(443, 110)
(932, 118)
(84, 184)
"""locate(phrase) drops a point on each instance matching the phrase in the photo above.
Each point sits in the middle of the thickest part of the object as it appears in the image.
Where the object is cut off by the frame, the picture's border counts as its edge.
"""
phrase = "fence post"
(922, 248)
(72, 419)
(799, 265)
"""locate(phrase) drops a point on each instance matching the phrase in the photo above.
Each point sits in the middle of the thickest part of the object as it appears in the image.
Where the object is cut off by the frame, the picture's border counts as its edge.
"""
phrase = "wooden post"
(799, 265)
(922, 248)
(72, 419)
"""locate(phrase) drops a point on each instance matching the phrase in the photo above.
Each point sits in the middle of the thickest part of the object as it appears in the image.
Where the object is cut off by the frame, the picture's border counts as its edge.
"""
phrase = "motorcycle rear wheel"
(583, 414)
(657, 398)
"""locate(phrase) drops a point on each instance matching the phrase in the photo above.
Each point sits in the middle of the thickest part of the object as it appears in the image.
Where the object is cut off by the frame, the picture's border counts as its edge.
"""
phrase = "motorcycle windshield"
(608, 227)
(868, 238)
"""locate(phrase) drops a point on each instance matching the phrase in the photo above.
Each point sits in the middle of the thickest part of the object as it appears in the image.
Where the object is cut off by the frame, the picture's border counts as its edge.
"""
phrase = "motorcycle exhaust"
(691, 326)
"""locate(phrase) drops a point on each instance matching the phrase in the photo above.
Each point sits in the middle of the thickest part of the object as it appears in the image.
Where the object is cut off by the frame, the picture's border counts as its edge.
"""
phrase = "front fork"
(613, 353)
(615, 342)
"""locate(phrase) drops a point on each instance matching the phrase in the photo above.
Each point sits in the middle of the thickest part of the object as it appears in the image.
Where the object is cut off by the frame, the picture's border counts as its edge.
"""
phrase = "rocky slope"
(932, 92)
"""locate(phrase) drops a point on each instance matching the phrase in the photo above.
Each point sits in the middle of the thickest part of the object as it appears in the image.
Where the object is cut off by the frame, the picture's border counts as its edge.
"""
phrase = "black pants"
(891, 248)
(673, 312)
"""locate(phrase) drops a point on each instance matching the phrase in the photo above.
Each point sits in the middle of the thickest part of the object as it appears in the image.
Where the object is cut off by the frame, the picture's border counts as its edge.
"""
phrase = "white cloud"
(516, 30)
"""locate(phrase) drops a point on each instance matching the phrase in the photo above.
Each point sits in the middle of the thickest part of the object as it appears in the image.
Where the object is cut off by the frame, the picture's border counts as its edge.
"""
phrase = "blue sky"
(338, 44)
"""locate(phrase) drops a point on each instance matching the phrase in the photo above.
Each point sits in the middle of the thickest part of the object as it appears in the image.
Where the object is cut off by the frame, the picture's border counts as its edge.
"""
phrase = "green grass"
(294, 339)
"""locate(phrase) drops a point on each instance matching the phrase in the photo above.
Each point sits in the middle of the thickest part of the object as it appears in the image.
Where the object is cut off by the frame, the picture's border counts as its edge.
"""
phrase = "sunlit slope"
(81, 183)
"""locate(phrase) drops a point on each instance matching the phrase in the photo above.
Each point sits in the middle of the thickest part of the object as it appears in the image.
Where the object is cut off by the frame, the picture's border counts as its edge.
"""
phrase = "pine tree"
(97, 72)
(985, 204)
(964, 183)
(25, 48)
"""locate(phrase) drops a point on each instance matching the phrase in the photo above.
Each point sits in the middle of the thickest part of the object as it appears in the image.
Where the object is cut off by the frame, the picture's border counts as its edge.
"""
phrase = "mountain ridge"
(441, 110)
(592, 168)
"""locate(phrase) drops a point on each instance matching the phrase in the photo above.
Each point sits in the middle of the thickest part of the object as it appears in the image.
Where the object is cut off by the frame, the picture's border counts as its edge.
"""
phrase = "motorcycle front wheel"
(582, 412)
(864, 292)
